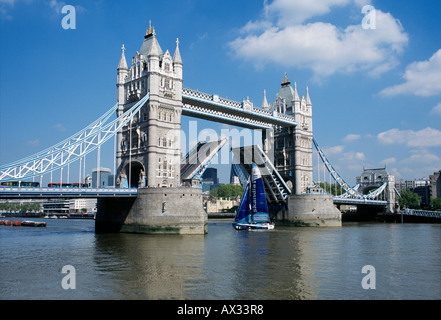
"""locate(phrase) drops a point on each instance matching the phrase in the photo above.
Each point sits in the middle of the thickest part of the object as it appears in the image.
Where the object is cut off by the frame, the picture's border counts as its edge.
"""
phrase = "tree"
(436, 204)
(408, 199)
(227, 191)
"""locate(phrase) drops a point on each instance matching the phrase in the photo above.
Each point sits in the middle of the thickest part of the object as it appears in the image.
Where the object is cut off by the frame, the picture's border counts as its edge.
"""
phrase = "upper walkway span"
(212, 107)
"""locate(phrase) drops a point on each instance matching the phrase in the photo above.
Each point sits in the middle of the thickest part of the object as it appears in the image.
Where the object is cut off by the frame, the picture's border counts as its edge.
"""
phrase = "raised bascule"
(162, 187)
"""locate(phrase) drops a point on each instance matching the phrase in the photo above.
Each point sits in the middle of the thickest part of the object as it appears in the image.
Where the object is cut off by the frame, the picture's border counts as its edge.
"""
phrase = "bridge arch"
(135, 173)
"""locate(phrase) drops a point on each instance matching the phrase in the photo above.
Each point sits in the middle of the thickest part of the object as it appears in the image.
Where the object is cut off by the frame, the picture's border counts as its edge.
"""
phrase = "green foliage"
(23, 208)
(227, 191)
(409, 199)
(436, 204)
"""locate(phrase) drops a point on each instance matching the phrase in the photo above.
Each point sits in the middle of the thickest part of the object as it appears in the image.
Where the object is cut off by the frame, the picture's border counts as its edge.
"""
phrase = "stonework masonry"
(155, 211)
(310, 210)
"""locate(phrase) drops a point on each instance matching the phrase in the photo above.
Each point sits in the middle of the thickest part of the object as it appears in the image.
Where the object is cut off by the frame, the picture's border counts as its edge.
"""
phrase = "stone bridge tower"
(148, 148)
(371, 179)
(293, 146)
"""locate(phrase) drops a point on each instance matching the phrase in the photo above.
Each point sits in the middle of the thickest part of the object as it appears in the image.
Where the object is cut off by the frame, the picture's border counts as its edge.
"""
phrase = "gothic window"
(159, 141)
(164, 142)
(164, 169)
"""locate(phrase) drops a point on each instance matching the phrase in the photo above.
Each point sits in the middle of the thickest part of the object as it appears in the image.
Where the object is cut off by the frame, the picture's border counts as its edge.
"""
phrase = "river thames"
(281, 264)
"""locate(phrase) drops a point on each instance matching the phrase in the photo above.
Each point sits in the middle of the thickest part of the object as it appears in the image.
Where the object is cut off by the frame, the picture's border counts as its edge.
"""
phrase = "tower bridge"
(150, 103)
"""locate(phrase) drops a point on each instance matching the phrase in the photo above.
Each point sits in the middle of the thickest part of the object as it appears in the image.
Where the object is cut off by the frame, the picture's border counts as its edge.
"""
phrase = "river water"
(285, 263)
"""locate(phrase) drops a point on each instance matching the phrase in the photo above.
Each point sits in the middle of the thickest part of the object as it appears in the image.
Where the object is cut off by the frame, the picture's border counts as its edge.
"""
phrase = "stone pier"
(154, 211)
(310, 210)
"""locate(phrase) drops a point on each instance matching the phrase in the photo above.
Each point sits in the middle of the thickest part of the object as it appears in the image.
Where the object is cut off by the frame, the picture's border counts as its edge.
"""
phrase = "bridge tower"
(372, 179)
(148, 148)
(293, 146)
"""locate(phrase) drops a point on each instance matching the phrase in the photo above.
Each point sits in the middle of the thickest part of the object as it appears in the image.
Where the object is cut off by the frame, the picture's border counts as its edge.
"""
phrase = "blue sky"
(376, 93)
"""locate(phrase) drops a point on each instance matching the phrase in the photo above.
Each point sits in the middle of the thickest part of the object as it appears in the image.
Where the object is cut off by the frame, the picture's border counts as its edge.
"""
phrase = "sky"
(373, 69)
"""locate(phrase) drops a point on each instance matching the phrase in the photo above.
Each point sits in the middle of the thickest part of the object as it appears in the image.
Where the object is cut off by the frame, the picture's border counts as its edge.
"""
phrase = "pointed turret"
(265, 102)
(122, 62)
(155, 50)
(308, 99)
(177, 57)
(296, 95)
(150, 44)
(122, 72)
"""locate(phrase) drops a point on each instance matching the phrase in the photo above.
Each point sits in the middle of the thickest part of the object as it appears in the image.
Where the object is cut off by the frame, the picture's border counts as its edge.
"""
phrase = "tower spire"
(296, 94)
(285, 80)
(308, 99)
(150, 31)
(265, 102)
(177, 56)
(122, 62)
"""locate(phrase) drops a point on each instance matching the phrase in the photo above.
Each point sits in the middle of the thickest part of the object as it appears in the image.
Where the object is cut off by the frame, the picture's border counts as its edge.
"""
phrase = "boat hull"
(253, 226)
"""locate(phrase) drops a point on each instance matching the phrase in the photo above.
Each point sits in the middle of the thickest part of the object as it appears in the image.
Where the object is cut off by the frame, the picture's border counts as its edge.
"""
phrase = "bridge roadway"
(35, 193)
(338, 200)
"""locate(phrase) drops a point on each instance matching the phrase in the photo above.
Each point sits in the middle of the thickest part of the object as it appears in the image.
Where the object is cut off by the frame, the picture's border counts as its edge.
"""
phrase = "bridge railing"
(21, 192)
(422, 213)
(235, 105)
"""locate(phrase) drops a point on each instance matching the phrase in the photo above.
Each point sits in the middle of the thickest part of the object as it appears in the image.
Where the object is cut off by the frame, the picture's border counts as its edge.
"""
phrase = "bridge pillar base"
(155, 211)
(310, 210)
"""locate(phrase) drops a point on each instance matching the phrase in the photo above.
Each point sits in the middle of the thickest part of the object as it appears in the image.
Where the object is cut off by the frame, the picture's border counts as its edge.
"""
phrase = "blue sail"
(259, 206)
(243, 213)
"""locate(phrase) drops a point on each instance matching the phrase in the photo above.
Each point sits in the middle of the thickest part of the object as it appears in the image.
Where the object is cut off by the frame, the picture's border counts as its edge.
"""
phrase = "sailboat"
(253, 209)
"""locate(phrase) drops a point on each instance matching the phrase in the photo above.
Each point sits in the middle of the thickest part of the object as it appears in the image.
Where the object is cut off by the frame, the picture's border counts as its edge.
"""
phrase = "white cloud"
(422, 78)
(322, 47)
(333, 150)
(422, 158)
(351, 137)
(290, 12)
(427, 137)
(353, 156)
(388, 161)
(436, 109)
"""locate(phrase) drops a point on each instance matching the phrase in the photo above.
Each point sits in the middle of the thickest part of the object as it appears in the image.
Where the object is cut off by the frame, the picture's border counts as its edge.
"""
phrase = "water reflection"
(285, 263)
(148, 266)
